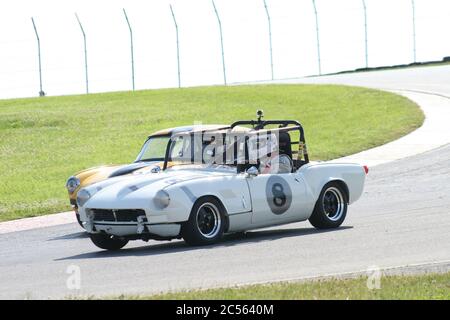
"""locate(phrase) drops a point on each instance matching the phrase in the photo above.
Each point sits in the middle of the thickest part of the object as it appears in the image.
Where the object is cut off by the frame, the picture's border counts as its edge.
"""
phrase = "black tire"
(206, 222)
(107, 242)
(79, 220)
(331, 207)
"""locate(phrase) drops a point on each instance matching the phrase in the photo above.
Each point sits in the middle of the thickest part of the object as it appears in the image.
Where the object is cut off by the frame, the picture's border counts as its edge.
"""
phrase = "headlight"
(72, 184)
(82, 197)
(161, 199)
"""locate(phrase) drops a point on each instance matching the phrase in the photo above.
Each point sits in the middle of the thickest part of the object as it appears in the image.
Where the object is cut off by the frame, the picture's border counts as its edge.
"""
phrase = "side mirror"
(252, 172)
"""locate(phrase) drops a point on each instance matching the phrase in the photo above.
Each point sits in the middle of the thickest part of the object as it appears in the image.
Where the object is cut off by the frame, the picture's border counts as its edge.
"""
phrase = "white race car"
(251, 175)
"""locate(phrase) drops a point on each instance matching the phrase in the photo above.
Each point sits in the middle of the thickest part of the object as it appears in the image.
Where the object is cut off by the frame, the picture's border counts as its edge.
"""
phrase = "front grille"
(126, 215)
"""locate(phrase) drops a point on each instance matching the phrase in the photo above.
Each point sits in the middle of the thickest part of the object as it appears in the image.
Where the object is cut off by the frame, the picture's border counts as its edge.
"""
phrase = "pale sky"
(246, 41)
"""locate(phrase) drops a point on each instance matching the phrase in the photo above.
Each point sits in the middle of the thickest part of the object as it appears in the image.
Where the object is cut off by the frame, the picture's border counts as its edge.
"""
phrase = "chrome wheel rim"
(208, 220)
(333, 203)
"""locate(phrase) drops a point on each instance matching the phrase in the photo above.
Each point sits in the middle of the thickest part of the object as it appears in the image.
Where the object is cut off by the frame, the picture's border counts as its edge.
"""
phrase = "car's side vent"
(123, 215)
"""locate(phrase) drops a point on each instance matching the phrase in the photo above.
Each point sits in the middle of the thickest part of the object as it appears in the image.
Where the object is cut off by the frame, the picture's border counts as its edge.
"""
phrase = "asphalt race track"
(402, 219)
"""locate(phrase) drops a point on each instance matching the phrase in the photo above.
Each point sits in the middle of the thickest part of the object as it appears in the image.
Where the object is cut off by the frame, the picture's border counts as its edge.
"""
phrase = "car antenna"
(260, 115)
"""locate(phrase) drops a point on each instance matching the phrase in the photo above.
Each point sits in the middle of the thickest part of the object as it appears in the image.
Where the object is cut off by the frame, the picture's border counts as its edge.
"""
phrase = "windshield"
(181, 151)
(154, 149)
(215, 148)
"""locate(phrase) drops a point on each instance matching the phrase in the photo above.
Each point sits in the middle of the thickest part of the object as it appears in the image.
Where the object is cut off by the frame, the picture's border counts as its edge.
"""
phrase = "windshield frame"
(142, 151)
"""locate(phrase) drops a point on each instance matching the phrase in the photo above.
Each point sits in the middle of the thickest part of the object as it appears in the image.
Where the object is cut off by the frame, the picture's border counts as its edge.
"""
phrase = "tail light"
(366, 169)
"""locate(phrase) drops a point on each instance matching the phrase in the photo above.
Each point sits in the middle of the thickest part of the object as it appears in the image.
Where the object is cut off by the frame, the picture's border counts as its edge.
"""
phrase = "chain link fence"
(104, 47)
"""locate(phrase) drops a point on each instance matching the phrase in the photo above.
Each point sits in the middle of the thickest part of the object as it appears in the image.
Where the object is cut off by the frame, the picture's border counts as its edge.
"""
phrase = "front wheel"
(206, 222)
(107, 242)
(331, 207)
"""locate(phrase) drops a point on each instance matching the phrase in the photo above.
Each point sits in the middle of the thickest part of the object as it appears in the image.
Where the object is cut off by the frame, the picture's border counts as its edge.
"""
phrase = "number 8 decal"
(279, 198)
(278, 194)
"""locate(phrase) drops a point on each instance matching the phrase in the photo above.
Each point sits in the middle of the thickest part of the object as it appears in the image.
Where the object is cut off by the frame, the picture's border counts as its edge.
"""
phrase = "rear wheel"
(206, 222)
(107, 242)
(331, 207)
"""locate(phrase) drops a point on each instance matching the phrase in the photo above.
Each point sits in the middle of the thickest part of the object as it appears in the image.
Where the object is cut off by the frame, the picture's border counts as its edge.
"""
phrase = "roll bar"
(258, 125)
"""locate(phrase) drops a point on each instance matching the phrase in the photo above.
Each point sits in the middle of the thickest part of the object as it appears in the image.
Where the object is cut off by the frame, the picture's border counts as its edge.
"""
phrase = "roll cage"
(258, 127)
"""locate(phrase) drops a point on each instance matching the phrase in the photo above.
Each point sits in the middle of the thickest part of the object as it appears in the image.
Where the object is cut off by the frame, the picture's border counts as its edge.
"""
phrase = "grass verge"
(423, 287)
(45, 140)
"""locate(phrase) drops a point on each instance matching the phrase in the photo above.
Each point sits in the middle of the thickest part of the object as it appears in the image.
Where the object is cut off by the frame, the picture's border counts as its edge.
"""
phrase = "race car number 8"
(279, 198)
(278, 194)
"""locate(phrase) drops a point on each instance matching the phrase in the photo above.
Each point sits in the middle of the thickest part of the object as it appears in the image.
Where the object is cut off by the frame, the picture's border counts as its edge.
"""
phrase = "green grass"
(423, 287)
(45, 140)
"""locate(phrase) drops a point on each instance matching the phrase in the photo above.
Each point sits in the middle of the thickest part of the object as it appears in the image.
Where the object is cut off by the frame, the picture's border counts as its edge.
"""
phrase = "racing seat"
(285, 144)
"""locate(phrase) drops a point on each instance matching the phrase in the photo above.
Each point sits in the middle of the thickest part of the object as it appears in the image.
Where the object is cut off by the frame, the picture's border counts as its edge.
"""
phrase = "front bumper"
(129, 223)
(140, 229)
(155, 231)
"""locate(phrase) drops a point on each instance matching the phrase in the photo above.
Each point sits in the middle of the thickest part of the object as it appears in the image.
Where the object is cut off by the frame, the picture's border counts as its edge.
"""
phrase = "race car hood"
(96, 174)
(137, 191)
(130, 168)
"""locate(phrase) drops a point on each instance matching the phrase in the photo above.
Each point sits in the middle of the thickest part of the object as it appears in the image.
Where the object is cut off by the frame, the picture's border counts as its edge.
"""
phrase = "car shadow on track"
(76, 235)
(228, 241)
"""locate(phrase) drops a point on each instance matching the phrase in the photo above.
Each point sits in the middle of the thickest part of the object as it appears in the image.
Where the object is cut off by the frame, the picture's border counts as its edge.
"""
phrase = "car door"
(278, 198)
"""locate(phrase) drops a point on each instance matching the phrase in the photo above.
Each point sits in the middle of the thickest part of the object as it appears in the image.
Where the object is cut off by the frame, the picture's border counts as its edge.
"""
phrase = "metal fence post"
(414, 29)
(178, 46)
(318, 37)
(85, 54)
(132, 49)
(41, 92)
(270, 37)
(365, 33)
(221, 42)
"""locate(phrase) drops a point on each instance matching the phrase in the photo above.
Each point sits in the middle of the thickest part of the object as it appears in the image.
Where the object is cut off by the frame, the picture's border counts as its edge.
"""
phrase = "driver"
(279, 163)
(271, 161)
